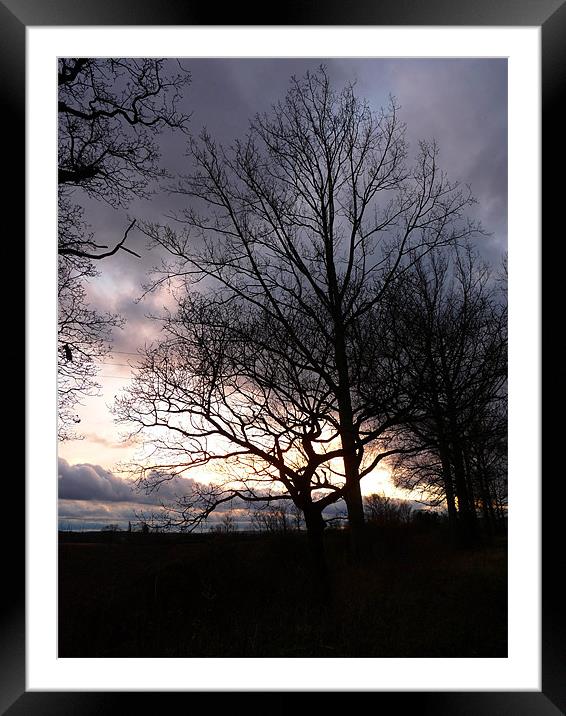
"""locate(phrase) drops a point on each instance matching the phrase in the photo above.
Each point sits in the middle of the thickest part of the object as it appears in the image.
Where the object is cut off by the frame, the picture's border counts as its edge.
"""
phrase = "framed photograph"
(234, 205)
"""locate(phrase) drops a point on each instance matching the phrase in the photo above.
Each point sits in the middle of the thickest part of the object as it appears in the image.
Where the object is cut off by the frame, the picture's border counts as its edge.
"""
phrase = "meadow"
(414, 594)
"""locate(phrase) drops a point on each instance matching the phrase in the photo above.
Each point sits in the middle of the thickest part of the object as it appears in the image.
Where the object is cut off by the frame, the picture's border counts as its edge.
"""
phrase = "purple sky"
(461, 103)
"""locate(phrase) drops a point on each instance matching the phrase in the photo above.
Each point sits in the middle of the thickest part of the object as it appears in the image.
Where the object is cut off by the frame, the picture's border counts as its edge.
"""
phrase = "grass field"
(239, 595)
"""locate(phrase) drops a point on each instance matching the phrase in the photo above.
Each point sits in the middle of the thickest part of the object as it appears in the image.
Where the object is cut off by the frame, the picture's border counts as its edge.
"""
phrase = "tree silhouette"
(110, 113)
(454, 332)
(383, 510)
(83, 336)
(310, 219)
(215, 392)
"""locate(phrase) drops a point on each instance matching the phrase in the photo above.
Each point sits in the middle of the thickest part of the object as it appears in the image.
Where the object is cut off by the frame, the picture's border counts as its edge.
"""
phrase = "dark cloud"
(92, 497)
(462, 103)
(88, 483)
(88, 514)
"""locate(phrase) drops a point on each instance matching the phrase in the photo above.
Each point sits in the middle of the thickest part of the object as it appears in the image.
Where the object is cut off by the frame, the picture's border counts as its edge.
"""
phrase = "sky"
(460, 103)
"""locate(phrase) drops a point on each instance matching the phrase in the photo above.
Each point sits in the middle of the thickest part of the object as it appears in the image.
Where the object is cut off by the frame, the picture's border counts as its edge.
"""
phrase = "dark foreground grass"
(414, 595)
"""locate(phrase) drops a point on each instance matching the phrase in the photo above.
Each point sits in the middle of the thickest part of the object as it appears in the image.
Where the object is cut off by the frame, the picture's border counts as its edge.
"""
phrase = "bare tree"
(485, 453)
(228, 522)
(214, 392)
(455, 334)
(310, 220)
(83, 338)
(110, 113)
(384, 510)
(272, 519)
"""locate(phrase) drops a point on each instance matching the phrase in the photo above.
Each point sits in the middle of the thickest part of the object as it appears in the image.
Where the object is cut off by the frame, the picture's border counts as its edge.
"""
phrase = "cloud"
(461, 102)
(101, 440)
(92, 497)
(92, 483)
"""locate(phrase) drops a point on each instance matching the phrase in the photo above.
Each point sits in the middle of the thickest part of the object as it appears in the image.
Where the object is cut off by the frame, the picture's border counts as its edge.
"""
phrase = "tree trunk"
(353, 492)
(466, 511)
(315, 527)
(500, 511)
(356, 519)
(488, 496)
(467, 522)
(487, 512)
(448, 489)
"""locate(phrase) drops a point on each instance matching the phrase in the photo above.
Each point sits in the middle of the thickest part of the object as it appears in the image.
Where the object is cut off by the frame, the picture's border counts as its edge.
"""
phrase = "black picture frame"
(550, 15)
